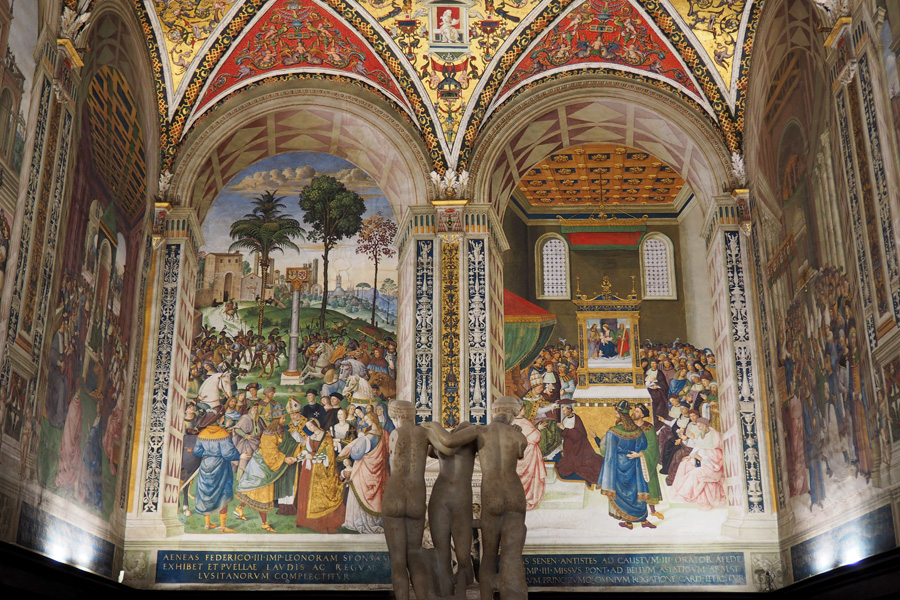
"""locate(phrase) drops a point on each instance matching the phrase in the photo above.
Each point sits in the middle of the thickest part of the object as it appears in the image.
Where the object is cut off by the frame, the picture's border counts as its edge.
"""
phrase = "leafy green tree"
(265, 230)
(246, 268)
(375, 241)
(334, 213)
(389, 287)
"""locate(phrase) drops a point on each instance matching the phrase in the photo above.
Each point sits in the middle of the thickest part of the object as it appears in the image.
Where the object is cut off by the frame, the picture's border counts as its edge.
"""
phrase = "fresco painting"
(608, 343)
(649, 454)
(83, 414)
(831, 419)
(84, 408)
(889, 404)
(18, 76)
(268, 448)
(5, 233)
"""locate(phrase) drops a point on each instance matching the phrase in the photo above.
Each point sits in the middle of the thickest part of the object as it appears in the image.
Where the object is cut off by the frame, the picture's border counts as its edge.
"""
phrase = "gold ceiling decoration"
(604, 174)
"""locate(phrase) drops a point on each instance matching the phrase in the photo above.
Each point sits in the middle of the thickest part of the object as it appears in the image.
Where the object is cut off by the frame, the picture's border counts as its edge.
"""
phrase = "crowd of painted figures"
(87, 358)
(681, 442)
(825, 412)
(321, 457)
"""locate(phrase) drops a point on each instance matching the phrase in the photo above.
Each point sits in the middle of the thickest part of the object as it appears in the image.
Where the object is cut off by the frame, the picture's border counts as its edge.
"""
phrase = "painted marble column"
(451, 312)
(748, 480)
(292, 375)
(156, 488)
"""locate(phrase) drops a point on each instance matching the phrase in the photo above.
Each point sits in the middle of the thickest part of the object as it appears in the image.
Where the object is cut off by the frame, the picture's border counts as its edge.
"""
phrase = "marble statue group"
(499, 446)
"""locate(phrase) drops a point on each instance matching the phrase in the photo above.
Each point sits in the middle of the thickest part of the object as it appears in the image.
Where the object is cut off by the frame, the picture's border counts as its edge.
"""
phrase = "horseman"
(320, 361)
(390, 355)
(215, 387)
(340, 351)
(195, 380)
(332, 384)
(350, 366)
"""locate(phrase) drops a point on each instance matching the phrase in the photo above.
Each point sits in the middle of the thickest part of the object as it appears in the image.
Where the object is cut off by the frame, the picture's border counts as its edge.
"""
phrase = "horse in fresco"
(351, 366)
(210, 395)
(231, 312)
(358, 390)
(213, 389)
(323, 351)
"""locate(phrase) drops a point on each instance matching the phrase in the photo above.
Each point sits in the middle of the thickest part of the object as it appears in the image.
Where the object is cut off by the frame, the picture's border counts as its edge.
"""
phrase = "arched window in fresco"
(552, 266)
(658, 267)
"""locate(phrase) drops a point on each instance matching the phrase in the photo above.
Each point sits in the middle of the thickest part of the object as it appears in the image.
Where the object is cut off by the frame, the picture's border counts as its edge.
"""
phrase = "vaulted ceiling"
(448, 65)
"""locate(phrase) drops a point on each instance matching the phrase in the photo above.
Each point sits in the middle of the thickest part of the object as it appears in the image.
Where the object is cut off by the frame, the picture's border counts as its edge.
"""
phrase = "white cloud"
(292, 180)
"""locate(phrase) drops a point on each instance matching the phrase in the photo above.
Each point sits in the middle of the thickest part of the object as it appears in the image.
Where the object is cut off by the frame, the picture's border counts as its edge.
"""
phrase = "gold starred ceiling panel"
(601, 174)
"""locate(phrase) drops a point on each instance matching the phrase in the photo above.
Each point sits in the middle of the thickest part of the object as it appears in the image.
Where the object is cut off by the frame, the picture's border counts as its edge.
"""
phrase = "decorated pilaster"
(162, 398)
(452, 307)
(748, 481)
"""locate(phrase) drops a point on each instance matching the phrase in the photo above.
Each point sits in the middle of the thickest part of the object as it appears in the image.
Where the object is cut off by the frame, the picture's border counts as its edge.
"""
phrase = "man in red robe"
(578, 457)
(622, 346)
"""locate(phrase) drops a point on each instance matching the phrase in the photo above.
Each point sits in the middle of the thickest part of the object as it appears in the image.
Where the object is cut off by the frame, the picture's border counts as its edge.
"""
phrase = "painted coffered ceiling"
(601, 174)
(447, 65)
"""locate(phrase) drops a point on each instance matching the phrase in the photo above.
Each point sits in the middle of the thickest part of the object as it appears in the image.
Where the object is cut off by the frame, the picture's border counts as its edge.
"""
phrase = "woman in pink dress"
(530, 468)
(701, 474)
(69, 464)
(368, 475)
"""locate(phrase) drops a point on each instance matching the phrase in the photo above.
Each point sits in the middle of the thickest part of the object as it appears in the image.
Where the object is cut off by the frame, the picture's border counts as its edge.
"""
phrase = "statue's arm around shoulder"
(447, 442)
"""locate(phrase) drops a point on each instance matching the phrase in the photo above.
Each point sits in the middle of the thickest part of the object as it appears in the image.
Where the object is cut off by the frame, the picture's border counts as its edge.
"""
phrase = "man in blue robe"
(624, 475)
(215, 478)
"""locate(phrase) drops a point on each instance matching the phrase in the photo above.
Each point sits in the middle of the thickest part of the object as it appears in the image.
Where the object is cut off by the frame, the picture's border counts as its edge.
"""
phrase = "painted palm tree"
(265, 230)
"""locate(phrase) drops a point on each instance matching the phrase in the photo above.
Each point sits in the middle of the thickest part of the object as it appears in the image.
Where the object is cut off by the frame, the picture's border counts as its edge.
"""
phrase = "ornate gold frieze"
(450, 349)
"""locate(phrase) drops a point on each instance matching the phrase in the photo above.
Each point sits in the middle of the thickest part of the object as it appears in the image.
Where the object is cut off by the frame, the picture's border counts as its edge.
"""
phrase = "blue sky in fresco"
(288, 173)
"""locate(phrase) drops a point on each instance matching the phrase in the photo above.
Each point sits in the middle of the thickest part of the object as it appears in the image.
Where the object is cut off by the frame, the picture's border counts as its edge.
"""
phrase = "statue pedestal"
(472, 593)
(290, 378)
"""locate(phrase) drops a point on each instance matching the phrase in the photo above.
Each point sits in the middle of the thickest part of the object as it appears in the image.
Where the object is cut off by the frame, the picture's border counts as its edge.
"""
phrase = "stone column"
(451, 311)
(154, 502)
(751, 510)
(292, 375)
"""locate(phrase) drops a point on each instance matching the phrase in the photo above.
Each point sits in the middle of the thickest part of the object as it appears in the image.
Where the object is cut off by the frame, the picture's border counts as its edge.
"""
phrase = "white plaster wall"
(695, 281)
